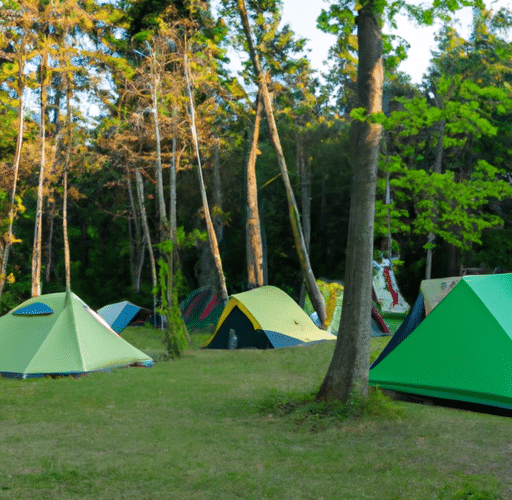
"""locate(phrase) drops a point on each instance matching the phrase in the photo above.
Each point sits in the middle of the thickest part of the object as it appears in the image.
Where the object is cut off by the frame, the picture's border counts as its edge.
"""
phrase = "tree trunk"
(69, 145)
(304, 172)
(159, 176)
(136, 244)
(348, 371)
(36, 250)
(145, 227)
(436, 168)
(217, 193)
(314, 291)
(253, 229)
(49, 242)
(4, 256)
(212, 237)
(15, 169)
(172, 183)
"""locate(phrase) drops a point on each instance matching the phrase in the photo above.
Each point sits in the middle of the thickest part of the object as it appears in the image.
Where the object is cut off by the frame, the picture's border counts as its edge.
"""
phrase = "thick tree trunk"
(212, 237)
(348, 371)
(314, 291)
(253, 229)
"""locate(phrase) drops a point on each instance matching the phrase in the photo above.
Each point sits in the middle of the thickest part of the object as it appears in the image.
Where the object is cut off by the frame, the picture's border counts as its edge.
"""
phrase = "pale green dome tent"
(264, 318)
(461, 351)
(58, 334)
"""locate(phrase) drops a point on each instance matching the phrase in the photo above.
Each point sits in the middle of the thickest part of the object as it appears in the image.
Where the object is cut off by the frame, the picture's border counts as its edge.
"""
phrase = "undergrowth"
(305, 409)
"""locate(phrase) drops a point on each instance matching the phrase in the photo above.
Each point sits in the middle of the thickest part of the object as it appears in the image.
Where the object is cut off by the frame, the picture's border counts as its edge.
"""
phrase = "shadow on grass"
(449, 403)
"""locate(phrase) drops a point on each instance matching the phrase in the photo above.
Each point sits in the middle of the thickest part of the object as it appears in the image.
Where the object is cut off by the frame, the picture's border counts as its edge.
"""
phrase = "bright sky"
(302, 15)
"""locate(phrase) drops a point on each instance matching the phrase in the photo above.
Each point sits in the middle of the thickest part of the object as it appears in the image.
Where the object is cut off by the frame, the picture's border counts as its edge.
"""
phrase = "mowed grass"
(207, 427)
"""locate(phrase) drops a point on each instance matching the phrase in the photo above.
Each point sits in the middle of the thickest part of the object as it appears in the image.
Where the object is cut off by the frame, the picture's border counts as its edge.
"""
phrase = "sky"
(302, 15)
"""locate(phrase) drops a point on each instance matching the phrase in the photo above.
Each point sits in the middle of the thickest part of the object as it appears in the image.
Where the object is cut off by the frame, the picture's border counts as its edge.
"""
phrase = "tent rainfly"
(461, 351)
(122, 314)
(58, 334)
(201, 309)
(264, 318)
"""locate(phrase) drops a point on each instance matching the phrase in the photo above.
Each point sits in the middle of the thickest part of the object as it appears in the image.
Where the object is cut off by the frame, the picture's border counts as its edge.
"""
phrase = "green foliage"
(397, 219)
(453, 210)
(174, 339)
(462, 107)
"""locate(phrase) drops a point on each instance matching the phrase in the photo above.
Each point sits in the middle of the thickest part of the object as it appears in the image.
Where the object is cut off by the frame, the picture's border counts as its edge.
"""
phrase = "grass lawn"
(207, 427)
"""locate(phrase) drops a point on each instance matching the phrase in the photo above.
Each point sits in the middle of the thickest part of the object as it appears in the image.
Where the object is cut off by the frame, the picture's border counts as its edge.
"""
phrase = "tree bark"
(69, 145)
(315, 295)
(348, 371)
(253, 229)
(304, 172)
(172, 183)
(36, 249)
(145, 227)
(49, 242)
(159, 176)
(134, 234)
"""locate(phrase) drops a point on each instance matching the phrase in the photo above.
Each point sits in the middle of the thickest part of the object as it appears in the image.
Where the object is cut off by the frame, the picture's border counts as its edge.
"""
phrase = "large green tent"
(58, 334)
(461, 351)
(264, 318)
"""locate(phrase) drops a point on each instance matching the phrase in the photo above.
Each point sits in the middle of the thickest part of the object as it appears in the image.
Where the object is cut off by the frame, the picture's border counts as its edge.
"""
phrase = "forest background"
(170, 107)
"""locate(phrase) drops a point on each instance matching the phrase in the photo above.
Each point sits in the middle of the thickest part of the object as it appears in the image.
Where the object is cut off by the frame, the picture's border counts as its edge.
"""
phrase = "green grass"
(211, 426)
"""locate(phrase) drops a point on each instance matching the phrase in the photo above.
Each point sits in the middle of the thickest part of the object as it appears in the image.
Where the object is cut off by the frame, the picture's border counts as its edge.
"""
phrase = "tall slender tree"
(18, 53)
(263, 81)
(38, 227)
(212, 237)
(255, 277)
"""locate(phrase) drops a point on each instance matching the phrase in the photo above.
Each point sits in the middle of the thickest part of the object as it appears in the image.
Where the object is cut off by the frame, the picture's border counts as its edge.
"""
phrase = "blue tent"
(122, 314)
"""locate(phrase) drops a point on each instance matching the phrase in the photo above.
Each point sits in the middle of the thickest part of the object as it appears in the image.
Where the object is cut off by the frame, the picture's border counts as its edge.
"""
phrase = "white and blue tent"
(122, 314)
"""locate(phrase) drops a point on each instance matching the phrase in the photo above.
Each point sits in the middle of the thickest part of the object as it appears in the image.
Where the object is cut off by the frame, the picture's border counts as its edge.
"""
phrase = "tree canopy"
(109, 84)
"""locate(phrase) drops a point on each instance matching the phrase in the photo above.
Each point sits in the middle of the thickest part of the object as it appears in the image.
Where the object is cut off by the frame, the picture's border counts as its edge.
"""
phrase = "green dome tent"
(461, 351)
(264, 318)
(58, 334)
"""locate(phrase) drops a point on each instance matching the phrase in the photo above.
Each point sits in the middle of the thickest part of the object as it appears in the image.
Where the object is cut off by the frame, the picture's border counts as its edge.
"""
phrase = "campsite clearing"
(198, 429)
